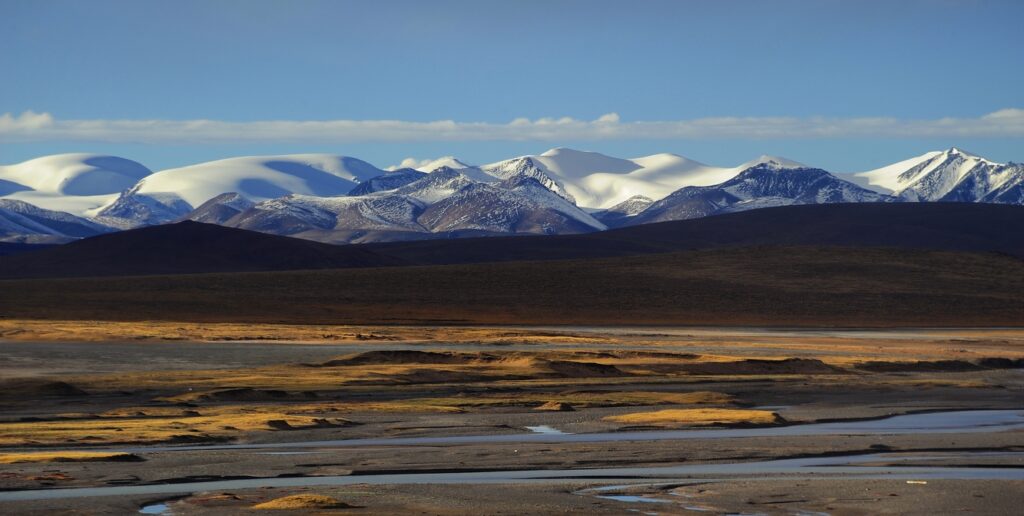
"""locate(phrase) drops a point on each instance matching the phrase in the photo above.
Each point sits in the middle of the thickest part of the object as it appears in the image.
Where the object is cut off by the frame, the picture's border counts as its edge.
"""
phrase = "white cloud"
(31, 126)
(1006, 114)
(26, 122)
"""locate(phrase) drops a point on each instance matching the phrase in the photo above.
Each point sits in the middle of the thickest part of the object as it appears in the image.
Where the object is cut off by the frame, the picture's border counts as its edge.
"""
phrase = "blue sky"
(856, 84)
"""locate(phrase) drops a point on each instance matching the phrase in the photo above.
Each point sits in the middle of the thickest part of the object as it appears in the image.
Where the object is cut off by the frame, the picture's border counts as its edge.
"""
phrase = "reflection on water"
(631, 498)
(545, 429)
(156, 508)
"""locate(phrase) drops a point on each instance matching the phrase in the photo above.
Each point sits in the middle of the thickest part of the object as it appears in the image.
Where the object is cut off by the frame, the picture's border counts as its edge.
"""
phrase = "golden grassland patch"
(960, 383)
(217, 422)
(67, 456)
(303, 378)
(300, 502)
(154, 429)
(99, 331)
(227, 421)
(698, 417)
(735, 344)
(586, 399)
(527, 369)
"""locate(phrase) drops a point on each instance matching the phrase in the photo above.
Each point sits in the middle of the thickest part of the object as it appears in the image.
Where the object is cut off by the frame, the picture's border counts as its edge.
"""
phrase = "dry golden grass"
(301, 501)
(698, 417)
(153, 429)
(215, 422)
(100, 331)
(583, 399)
(959, 383)
(66, 456)
(837, 349)
(510, 369)
(555, 406)
(232, 420)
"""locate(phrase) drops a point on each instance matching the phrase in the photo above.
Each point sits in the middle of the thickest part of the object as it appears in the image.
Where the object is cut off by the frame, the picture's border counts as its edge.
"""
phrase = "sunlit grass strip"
(67, 456)
(301, 501)
(698, 417)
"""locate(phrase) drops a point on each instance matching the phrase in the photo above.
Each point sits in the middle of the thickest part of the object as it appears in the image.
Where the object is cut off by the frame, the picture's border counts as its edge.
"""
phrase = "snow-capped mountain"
(132, 209)
(169, 194)
(619, 214)
(528, 167)
(952, 175)
(332, 218)
(516, 205)
(74, 183)
(442, 202)
(772, 182)
(262, 177)
(389, 181)
(594, 180)
(447, 161)
(221, 209)
(435, 186)
(343, 199)
(23, 222)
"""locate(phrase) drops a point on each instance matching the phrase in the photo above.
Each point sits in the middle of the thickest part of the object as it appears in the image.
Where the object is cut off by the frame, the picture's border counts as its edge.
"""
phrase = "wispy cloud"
(31, 126)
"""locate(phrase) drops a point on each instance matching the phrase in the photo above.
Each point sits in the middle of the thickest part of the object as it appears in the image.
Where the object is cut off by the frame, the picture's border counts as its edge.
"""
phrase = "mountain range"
(341, 199)
(845, 264)
(191, 247)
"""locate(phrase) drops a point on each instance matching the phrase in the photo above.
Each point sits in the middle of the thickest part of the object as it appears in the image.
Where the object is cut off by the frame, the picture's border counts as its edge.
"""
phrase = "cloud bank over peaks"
(31, 126)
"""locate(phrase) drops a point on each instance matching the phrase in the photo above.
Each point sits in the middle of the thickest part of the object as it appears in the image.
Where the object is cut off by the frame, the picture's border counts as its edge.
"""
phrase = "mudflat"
(190, 418)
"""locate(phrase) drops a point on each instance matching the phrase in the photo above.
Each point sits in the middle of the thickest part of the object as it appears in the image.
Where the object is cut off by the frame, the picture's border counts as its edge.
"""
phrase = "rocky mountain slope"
(949, 176)
(442, 202)
(769, 184)
(24, 223)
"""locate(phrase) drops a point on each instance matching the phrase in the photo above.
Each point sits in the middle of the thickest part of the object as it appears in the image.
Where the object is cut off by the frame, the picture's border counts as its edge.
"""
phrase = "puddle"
(156, 508)
(633, 499)
(546, 430)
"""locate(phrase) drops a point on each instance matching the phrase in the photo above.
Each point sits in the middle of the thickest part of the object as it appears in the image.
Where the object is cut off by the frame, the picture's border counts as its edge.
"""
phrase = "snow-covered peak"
(446, 161)
(261, 178)
(772, 162)
(573, 164)
(667, 160)
(529, 166)
(631, 206)
(594, 180)
(956, 151)
(933, 175)
(74, 183)
(961, 152)
(886, 179)
(78, 174)
(437, 185)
